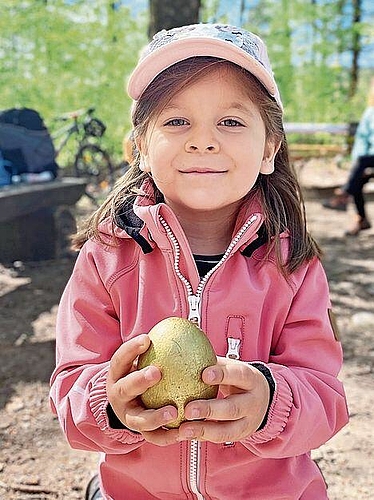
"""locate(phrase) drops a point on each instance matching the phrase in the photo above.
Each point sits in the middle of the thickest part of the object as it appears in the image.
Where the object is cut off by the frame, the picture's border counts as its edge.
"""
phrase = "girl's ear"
(139, 144)
(267, 164)
(143, 164)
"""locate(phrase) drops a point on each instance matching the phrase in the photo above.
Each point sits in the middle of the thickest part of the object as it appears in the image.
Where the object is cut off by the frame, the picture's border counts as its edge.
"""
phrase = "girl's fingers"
(124, 386)
(143, 421)
(235, 407)
(162, 437)
(134, 384)
(123, 359)
(231, 372)
(235, 416)
(216, 433)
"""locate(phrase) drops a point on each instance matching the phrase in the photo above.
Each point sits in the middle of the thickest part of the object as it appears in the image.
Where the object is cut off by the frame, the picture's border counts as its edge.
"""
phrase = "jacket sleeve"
(87, 335)
(309, 404)
(363, 136)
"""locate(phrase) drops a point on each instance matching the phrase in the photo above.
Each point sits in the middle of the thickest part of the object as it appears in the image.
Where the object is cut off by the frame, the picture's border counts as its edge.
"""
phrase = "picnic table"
(298, 150)
(36, 220)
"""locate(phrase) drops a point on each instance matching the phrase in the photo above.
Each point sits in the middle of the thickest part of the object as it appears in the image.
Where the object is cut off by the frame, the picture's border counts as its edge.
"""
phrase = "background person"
(362, 158)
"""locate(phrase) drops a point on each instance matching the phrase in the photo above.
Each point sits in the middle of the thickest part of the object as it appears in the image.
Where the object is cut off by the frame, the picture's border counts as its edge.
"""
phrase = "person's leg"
(342, 195)
(359, 202)
(356, 177)
(354, 187)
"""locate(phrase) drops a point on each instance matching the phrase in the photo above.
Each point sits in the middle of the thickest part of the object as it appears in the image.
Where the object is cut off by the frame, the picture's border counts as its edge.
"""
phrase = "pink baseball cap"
(217, 40)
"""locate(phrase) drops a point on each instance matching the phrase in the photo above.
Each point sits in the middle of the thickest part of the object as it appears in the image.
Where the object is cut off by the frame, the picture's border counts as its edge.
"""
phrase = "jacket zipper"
(233, 346)
(194, 302)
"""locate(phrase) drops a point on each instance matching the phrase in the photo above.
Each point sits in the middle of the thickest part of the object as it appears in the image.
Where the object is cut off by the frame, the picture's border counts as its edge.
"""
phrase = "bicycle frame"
(66, 131)
(75, 128)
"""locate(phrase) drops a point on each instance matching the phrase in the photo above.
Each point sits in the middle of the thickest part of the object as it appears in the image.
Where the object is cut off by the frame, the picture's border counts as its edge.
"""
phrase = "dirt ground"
(35, 461)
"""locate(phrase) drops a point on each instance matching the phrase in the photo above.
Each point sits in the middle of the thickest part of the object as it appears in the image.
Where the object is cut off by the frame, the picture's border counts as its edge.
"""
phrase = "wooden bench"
(36, 220)
(299, 151)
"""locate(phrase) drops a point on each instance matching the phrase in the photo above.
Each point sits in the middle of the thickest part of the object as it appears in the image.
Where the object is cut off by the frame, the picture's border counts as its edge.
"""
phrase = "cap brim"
(164, 57)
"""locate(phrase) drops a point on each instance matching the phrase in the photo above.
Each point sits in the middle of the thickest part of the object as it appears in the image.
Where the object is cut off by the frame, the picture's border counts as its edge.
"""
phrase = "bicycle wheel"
(93, 163)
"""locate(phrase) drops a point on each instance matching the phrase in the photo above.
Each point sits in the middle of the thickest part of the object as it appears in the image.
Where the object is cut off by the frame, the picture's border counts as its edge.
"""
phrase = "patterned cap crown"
(217, 40)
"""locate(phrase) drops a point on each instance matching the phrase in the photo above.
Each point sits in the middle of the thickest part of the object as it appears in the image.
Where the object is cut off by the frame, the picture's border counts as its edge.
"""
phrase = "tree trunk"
(356, 46)
(166, 14)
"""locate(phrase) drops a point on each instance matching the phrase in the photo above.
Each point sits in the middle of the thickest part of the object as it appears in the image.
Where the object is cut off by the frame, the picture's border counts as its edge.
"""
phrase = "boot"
(360, 225)
(338, 202)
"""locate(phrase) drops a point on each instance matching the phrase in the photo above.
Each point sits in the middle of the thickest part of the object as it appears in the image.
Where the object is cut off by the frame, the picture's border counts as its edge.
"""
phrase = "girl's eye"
(231, 122)
(176, 122)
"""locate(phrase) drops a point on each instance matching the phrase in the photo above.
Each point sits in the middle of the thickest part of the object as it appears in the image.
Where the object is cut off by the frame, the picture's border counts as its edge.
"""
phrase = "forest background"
(61, 55)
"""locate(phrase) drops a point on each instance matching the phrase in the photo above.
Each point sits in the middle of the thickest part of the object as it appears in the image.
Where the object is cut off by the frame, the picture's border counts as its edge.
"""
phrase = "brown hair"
(279, 192)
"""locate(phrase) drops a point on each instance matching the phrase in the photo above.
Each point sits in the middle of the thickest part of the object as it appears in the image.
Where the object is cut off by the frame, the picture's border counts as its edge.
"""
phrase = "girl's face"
(207, 146)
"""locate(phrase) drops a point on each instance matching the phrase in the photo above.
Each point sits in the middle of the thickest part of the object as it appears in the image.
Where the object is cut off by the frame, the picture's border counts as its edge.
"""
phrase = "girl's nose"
(202, 143)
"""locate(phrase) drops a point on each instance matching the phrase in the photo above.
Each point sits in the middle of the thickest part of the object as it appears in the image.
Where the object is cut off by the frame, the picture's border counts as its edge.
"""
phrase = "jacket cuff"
(278, 413)
(261, 367)
(98, 402)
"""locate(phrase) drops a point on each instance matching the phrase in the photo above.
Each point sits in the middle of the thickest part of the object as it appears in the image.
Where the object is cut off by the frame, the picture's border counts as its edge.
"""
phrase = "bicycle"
(91, 161)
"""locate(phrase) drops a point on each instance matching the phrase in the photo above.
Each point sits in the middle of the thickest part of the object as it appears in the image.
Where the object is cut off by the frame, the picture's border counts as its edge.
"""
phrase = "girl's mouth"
(202, 170)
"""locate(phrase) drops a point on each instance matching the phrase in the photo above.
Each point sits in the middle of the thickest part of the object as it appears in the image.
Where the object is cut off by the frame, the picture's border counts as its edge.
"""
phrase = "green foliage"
(59, 56)
(309, 44)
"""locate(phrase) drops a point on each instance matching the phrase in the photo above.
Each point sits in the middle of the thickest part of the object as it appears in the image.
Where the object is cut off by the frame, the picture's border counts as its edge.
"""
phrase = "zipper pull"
(194, 313)
(233, 348)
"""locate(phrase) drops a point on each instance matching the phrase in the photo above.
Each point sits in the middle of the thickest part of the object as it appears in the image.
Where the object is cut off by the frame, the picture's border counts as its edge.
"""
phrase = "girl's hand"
(124, 386)
(239, 414)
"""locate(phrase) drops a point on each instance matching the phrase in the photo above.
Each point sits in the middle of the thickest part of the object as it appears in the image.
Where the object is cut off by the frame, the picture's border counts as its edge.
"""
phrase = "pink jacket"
(248, 310)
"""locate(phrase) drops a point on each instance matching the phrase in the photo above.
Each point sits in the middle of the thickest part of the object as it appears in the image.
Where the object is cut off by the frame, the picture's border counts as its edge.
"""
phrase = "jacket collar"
(133, 225)
(141, 214)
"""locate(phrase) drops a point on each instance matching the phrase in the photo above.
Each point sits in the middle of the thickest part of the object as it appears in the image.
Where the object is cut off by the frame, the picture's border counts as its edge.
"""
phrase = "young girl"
(207, 224)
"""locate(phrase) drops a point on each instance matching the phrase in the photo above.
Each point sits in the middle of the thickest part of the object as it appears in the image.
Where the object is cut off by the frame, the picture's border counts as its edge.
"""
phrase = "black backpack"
(25, 142)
